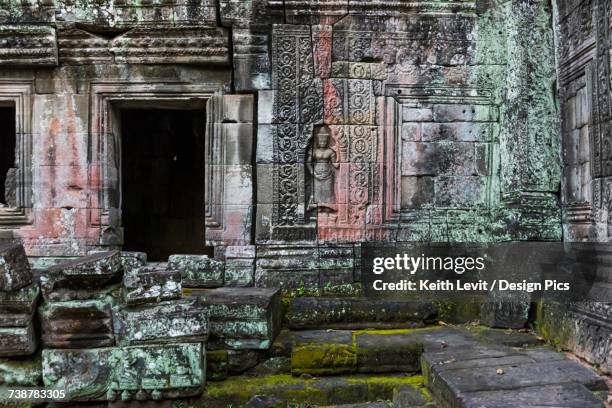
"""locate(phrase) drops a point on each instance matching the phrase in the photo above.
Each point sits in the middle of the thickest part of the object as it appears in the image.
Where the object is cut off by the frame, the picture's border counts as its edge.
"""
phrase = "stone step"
(353, 389)
(358, 313)
(490, 375)
(332, 352)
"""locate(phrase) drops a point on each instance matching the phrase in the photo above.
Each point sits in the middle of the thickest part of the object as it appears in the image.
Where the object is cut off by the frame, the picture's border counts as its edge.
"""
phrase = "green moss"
(458, 312)
(322, 391)
(553, 324)
(396, 331)
(323, 359)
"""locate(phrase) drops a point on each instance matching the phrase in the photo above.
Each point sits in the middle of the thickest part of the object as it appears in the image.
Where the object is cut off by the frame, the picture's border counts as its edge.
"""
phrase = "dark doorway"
(162, 180)
(8, 139)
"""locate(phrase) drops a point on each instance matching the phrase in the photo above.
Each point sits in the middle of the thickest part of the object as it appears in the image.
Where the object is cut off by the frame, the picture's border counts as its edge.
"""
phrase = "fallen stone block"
(167, 322)
(18, 341)
(77, 323)
(356, 313)
(17, 307)
(150, 285)
(199, 271)
(15, 272)
(241, 318)
(131, 260)
(126, 373)
(81, 278)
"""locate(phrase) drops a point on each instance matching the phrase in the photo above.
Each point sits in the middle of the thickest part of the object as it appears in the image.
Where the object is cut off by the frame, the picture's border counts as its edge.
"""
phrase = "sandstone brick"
(197, 270)
(167, 322)
(410, 114)
(417, 191)
(464, 113)
(15, 270)
(81, 278)
(17, 307)
(241, 318)
(151, 285)
(102, 374)
(77, 324)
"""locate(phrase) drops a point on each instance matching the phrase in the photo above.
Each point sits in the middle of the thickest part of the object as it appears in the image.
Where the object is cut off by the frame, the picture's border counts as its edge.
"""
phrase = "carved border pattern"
(297, 105)
(19, 94)
(603, 89)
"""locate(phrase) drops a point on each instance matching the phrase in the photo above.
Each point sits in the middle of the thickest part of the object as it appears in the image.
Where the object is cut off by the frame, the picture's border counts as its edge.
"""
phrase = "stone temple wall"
(442, 119)
(329, 123)
(582, 31)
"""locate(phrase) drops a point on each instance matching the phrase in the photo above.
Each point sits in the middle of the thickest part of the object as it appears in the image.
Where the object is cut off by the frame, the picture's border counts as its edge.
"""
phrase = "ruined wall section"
(582, 31)
(68, 67)
(443, 121)
(436, 121)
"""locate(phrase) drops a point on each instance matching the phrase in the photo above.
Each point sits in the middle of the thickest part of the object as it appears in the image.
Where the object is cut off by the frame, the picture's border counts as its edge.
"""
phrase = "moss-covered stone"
(320, 391)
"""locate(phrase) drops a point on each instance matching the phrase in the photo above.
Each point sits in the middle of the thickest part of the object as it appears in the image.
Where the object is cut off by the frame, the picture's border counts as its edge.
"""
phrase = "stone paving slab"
(486, 375)
(559, 396)
(358, 313)
(332, 352)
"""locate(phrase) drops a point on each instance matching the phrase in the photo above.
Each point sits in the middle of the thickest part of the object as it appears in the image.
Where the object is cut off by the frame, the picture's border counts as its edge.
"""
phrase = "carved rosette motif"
(297, 105)
(603, 87)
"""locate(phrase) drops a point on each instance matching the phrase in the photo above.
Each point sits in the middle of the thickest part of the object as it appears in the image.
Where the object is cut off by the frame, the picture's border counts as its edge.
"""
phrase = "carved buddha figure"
(322, 164)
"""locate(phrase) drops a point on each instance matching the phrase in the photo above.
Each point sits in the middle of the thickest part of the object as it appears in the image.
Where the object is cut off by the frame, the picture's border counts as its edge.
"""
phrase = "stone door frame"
(104, 177)
(19, 94)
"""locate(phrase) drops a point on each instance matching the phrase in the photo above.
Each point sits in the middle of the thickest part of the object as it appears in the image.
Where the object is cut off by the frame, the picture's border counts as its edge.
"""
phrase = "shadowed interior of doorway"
(162, 180)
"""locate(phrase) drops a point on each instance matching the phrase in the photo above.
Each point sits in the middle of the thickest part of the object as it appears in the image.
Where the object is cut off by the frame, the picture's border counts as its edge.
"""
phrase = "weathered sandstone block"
(81, 278)
(198, 270)
(241, 318)
(15, 270)
(353, 313)
(126, 373)
(150, 285)
(77, 324)
(131, 260)
(17, 307)
(168, 322)
(18, 341)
